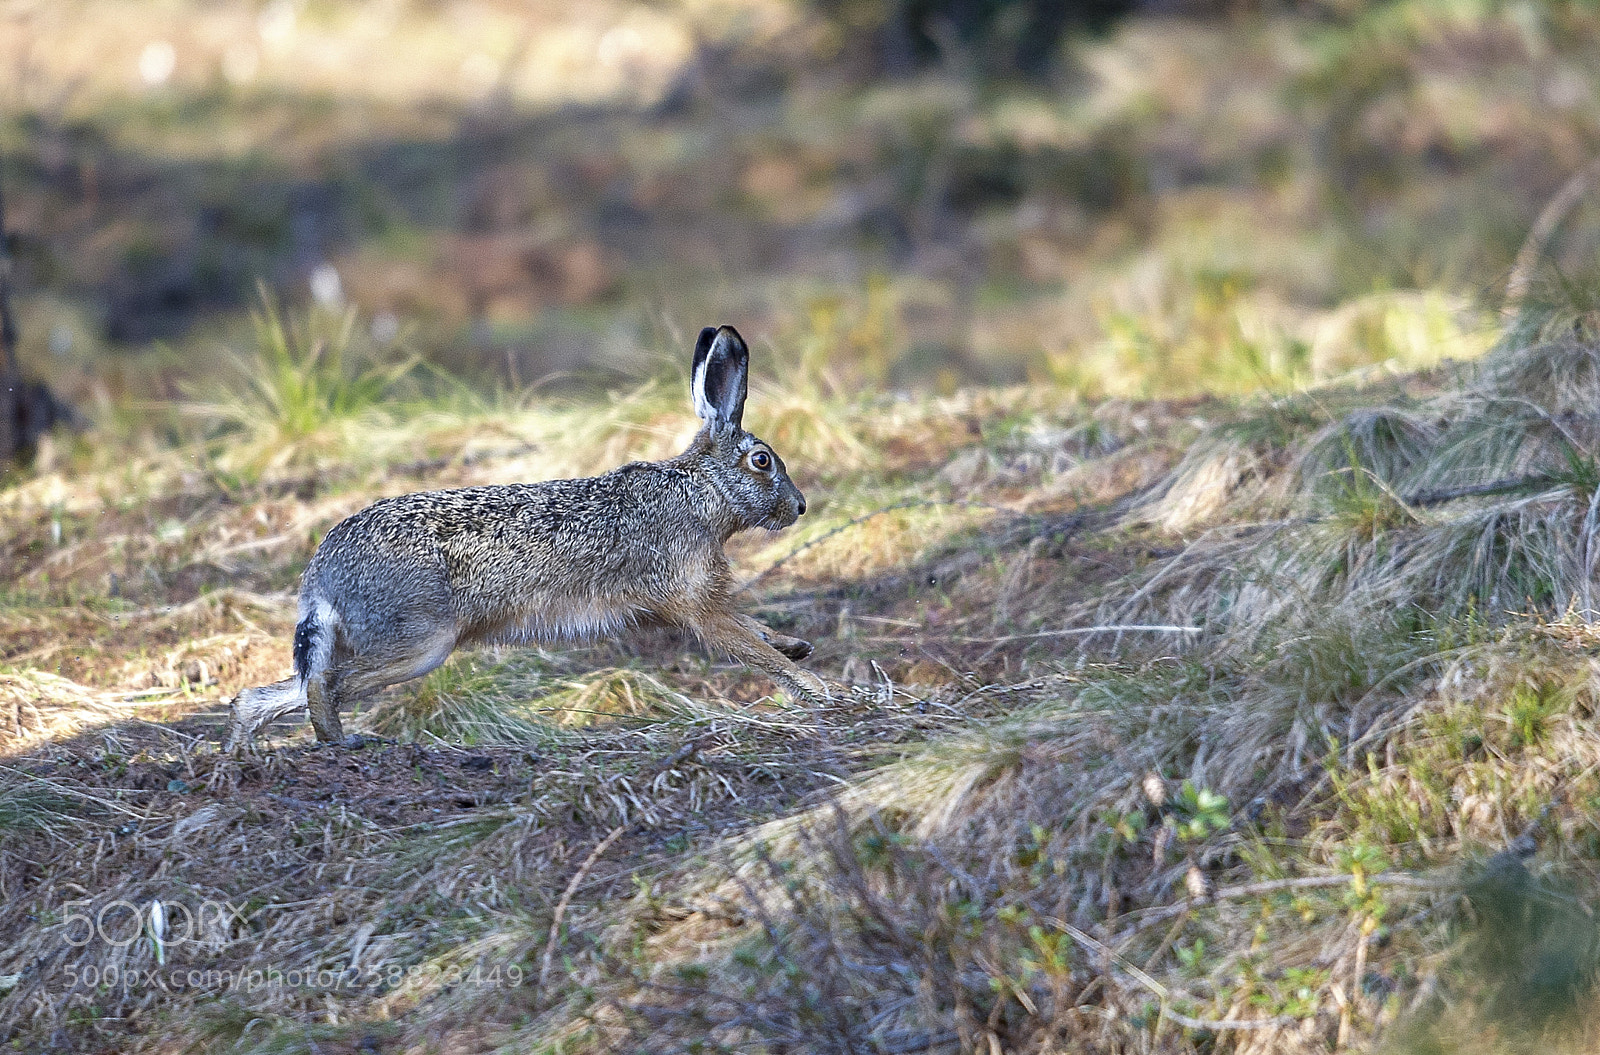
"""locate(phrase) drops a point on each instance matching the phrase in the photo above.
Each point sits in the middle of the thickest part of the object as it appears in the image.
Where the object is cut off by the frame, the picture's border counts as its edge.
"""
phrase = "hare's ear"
(721, 376)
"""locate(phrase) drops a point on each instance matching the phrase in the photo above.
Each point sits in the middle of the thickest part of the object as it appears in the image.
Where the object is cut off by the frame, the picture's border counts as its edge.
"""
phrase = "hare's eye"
(761, 460)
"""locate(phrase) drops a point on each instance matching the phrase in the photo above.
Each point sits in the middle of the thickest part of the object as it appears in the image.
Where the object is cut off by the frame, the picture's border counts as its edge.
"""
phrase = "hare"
(396, 588)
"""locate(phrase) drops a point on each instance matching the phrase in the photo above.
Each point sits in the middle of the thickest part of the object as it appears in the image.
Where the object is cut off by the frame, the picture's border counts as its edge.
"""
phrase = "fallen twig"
(1497, 487)
(566, 897)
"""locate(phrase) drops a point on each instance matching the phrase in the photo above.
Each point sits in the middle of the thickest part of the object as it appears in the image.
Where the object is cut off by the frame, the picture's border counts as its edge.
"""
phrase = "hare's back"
(477, 550)
(443, 533)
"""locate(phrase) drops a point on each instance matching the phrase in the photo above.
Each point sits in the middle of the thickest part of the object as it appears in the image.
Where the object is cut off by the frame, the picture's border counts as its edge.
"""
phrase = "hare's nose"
(800, 508)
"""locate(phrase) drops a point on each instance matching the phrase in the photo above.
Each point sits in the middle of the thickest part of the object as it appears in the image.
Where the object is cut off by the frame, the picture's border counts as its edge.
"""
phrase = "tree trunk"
(10, 373)
(28, 409)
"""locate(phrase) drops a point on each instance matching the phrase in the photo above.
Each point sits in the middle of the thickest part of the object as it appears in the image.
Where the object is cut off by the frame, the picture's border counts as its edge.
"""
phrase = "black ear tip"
(735, 341)
(718, 383)
(702, 344)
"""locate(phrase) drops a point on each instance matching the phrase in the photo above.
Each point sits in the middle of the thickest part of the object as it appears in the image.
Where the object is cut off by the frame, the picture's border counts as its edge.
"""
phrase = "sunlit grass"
(471, 700)
(1338, 619)
(1225, 333)
(519, 698)
(308, 375)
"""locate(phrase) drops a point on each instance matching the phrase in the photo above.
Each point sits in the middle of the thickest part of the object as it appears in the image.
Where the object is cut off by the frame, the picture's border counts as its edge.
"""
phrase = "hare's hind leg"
(352, 677)
(259, 706)
(322, 706)
(748, 641)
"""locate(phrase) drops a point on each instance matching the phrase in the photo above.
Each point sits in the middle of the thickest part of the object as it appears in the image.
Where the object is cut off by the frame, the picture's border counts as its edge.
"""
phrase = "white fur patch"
(697, 387)
(570, 619)
(726, 349)
(322, 651)
(256, 707)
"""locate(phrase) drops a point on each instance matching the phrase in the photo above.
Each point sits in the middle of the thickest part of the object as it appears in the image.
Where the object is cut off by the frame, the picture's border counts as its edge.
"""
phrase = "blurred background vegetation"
(1132, 198)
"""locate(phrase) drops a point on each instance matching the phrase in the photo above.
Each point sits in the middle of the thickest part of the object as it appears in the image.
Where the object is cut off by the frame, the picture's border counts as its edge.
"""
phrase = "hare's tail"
(313, 644)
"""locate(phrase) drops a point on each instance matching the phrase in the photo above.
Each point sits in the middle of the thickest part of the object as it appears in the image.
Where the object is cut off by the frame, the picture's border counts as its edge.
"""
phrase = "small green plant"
(1120, 829)
(1033, 852)
(1530, 709)
(878, 848)
(1052, 949)
(1581, 472)
(1192, 956)
(1301, 988)
(1200, 812)
(1364, 900)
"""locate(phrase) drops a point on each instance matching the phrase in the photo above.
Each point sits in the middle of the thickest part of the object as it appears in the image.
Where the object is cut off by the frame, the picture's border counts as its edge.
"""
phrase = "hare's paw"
(793, 647)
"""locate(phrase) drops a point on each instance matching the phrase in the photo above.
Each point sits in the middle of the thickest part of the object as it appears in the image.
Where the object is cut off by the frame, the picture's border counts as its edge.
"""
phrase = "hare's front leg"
(747, 641)
(793, 647)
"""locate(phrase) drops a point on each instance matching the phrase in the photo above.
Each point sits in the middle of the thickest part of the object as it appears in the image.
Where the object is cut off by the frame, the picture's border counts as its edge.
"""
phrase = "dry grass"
(1063, 877)
(1110, 842)
(40, 707)
(1473, 500)
(1268, 833)
(1271, 833)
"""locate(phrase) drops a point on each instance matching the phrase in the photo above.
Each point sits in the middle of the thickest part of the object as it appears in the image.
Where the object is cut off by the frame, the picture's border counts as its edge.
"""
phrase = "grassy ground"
(1228, 686)
(1324, 775)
